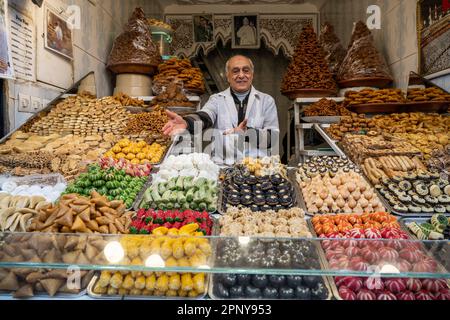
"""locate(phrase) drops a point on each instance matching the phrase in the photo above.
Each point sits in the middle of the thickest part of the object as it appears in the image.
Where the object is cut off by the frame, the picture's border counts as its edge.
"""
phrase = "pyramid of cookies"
(334, 50)
(309, 68)
(134, 46)
(363, 59)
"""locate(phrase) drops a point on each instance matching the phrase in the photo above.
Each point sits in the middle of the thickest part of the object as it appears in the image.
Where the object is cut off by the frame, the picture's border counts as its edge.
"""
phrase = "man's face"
(203, 22)
(240, 74)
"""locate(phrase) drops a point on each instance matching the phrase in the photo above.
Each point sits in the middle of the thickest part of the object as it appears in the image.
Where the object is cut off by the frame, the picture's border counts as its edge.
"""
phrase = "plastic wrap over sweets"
(363, 61)
(334, 51)
(134, 44)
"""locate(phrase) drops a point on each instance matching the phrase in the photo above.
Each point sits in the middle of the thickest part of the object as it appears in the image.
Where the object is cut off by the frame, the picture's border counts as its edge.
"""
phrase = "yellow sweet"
(126, 150)
(121, 155)
(135, 161)
(116, 149)
(130, 156)
(140, 156)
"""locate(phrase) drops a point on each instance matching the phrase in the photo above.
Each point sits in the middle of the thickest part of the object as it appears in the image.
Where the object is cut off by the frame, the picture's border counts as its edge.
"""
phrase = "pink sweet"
(443, 294)
(386, 295)
(425, 265)
(411, 255)
(406, 295)
(365, 294)
(395, 285)
(372, 256)
(434, 285)
(414, 284)
(423, 295)
(374, 283)
(352, 251)
(403, 265)
(346, 293)
(349, 243)
(353, 283)
(355, 233)
(388, 254)
(372, 233)
(395, 244)
(358, 263)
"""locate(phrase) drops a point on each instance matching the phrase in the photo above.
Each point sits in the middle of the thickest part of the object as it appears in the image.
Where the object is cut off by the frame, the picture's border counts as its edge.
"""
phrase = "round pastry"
(258, 192)
(434, 285)
(244, 279)
(272, 200)
(237, 292)
(386, 295)
(284, 191)
(443, 294)
(423, 175)
(284, 261)
(246, 200)
(228, 280)
(365, 294)
(253, 292)
(259, 200)
(421, 189)
(423, 295)
(319, 292)
(414, 208)
(400, 208)
(439, 209)
(346, 294)
(251, 180)
(234, 200)
(254, 208)
(263, 179)
(435, 191)
(411, 176)
(277, 281)
(353, 283)
(270, 192)
(270, 293)
(405, 185)
(221, 291)
(266, 186)
(444, 199)
(303, 293)
(404, 198)
(276, 179)
(374, 283)
(398, 179)
(238, 179)
(431, 200)
(286, 201)
(406, 295)
(417, 199)
(395, 285)
(260, 280)
(265, 208)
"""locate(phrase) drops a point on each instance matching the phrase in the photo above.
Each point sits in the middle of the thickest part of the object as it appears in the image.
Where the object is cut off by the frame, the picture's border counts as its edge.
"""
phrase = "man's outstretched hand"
(241, 128)
(175, 125)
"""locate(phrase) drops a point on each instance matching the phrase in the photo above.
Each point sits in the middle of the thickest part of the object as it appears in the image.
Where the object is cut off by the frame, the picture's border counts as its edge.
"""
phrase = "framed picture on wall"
(203, 28)
(245, 31)
(58, 35)
(433, 30)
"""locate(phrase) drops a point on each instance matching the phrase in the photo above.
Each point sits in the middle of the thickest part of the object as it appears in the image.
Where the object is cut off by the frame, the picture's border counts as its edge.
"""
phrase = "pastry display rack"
(72, 91)
(204, 254)
(297, 112)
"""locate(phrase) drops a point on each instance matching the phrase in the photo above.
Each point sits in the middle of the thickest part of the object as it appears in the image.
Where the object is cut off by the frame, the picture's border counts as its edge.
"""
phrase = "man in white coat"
(239, 111)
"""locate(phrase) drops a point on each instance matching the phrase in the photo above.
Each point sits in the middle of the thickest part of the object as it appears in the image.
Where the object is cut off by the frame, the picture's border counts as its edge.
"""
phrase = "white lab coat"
(261, 113)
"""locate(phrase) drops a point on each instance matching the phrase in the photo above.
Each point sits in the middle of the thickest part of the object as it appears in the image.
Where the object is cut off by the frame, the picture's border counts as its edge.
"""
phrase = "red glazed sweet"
(388, 254)
(443, 294)
(340, 281)
(372, 256)
(353, 283)
(355, 233)
(352, 251)
(434, 285)
(406, 295)
(395, 285)
(386, 295)
(358, 263)
(374, 283)
(365, 294)
(372, 233)
(349, 243)
(411, 255)
(426, 265)
(414, 284)
(346, 293)
(403, 265)
(423, 295)
(395, 244)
